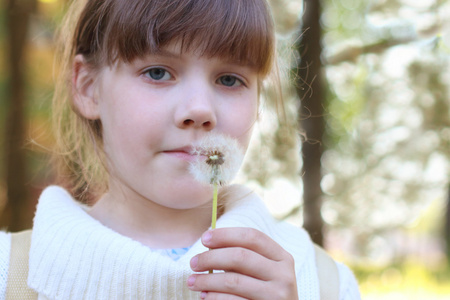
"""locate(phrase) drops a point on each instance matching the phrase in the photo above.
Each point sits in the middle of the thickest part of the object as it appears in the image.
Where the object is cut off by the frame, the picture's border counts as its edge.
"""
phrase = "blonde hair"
(107, 31)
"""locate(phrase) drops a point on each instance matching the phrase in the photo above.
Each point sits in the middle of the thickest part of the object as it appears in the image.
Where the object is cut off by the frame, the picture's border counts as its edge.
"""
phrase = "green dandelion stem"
(214, 212)
(214, 207)
(214, 204)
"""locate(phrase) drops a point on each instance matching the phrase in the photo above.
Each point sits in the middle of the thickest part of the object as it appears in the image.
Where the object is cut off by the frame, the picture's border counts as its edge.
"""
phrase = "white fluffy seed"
(232, 156)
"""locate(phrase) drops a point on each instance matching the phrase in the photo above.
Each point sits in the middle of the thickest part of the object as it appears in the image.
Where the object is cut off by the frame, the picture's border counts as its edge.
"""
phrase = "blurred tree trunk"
(447, 226)
(311, 92)
(16, 215)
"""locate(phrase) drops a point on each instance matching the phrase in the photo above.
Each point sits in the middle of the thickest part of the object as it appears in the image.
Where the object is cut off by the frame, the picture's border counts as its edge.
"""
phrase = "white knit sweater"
(73, 256)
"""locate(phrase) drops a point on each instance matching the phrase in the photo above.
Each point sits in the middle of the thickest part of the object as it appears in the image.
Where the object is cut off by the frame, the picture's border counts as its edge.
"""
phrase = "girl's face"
(154, 109)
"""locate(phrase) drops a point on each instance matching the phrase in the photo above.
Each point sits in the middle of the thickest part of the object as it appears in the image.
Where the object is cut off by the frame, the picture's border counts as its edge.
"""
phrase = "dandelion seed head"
(215, 158)
(219, 158)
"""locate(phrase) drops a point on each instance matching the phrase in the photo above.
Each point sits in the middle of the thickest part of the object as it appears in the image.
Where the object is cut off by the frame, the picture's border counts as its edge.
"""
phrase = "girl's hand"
(255, 266)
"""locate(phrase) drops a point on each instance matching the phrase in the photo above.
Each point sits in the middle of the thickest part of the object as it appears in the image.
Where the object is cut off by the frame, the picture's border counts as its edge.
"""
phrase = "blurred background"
(360, 157)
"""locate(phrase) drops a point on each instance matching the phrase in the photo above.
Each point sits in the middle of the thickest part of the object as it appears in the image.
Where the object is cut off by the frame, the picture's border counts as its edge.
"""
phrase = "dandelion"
(218, 160)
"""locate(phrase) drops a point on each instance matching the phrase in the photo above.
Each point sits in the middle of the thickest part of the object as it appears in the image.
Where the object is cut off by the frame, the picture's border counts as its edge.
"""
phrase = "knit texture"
(5, 247)
(73, 256)
(348, 286)
(16, 287)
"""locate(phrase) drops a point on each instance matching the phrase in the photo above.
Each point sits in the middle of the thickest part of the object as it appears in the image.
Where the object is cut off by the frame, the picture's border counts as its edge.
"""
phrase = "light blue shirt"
(174, 254)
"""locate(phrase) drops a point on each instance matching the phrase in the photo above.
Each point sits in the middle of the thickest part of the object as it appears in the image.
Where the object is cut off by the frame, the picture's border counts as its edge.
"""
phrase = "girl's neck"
(149, 223)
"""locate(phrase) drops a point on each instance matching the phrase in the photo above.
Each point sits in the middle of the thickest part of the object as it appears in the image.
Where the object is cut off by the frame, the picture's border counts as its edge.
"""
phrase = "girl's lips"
(184, 153)
(181, 155)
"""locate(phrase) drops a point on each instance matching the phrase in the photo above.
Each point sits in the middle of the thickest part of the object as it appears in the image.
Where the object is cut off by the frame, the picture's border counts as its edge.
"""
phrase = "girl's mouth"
(183, 153)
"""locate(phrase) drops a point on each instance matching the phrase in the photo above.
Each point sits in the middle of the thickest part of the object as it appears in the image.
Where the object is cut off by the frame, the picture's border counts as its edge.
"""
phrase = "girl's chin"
(188, 198)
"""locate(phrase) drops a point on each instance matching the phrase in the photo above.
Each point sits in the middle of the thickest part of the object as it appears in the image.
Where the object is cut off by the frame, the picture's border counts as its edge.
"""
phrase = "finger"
(228, 283)
(248, 238)
(219, 296)
(238, 260)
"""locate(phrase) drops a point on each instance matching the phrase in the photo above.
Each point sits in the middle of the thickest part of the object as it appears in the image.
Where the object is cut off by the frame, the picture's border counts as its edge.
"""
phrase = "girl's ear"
(84, 89)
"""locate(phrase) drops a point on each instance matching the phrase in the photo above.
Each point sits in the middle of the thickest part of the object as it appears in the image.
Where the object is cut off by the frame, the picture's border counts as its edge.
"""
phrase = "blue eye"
(230, 80)
(158, 74)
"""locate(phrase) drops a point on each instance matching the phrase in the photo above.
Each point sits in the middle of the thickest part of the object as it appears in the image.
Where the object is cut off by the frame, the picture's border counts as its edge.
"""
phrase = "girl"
(142, 82)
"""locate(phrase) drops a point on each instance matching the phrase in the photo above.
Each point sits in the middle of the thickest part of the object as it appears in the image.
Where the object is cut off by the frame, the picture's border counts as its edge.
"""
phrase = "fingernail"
(203, 295)
(194, 262)
(206, 238)
(191, 281)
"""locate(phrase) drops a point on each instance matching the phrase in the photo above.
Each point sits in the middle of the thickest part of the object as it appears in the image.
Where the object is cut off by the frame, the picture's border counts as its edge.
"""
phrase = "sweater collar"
(73, 256)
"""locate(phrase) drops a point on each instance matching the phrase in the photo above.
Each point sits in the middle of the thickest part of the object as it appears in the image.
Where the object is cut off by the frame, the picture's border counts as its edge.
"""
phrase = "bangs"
(236, 30)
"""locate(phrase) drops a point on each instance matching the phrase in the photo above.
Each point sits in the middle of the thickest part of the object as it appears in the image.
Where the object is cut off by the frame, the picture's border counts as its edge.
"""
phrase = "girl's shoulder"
(5, 247)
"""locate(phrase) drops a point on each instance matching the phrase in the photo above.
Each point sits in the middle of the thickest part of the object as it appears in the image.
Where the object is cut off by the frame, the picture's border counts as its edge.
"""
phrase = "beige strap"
(16, 287)
(328, 275)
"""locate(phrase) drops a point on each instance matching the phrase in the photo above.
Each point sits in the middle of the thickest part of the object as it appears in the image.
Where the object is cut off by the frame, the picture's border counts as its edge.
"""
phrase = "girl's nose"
(197, 111)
